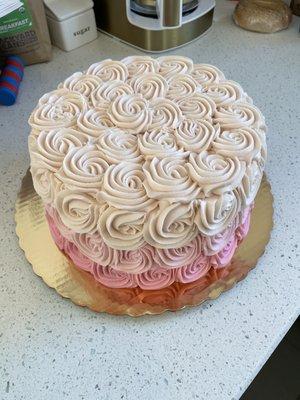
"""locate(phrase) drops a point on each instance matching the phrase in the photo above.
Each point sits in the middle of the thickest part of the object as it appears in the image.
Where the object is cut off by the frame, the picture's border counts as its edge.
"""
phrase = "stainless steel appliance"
(154, 25)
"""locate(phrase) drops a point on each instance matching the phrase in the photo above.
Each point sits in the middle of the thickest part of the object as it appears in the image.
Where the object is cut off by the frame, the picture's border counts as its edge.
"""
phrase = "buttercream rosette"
(148, 168)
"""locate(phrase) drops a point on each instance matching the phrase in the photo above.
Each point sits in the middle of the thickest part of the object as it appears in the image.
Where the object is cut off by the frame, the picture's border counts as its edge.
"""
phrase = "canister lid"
(7, 96)
(64, 9)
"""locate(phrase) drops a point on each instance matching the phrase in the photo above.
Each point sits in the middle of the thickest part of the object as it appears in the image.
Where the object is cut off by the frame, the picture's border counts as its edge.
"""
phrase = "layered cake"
(148, 169)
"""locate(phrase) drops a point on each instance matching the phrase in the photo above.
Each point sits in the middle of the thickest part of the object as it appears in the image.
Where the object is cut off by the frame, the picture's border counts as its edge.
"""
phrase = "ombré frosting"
(147, 154)
(159, 269)
(147, 257)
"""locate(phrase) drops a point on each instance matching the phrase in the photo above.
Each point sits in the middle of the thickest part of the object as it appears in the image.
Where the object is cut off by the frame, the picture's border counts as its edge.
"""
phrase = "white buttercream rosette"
(140, 65)
(148, 153)
(83, 168)
(58, 109)
(206, 74)
(93, 121)
(181, 85)
(81, 83)
(49, 148)
(160, 142)
(130, 113)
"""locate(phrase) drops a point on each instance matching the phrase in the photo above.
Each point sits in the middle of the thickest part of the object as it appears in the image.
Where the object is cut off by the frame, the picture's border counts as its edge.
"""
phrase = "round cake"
(147, 168)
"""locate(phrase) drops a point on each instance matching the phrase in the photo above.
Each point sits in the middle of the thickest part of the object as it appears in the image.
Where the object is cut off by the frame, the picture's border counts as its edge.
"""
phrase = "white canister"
(71, 23)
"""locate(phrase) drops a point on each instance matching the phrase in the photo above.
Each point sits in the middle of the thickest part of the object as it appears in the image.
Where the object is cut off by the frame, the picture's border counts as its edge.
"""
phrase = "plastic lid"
(64, 9)
(7, 97)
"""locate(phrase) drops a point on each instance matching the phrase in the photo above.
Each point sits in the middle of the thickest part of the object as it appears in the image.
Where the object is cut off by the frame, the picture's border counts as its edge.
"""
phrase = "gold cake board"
(59, 273)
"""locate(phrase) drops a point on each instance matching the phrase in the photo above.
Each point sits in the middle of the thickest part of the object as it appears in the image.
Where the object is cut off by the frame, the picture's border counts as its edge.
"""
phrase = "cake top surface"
(147, 150)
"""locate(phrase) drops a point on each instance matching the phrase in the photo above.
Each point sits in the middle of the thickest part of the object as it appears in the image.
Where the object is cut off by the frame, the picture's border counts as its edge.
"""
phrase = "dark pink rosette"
(113, 278)
(156, 278)
(194, 271)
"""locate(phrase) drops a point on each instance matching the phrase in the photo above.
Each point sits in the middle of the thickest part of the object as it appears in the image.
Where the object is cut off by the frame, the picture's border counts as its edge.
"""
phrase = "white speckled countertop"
(52, 349)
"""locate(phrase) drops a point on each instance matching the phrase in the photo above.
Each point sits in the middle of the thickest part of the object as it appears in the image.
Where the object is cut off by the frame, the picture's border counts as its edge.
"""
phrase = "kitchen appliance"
(154, 25)
(71, 23)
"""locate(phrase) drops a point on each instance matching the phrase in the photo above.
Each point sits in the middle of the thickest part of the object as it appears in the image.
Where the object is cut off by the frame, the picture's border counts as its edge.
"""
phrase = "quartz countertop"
(52, 349)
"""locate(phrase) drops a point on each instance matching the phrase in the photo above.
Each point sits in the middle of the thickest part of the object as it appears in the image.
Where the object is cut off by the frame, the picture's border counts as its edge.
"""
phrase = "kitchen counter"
(52, 349)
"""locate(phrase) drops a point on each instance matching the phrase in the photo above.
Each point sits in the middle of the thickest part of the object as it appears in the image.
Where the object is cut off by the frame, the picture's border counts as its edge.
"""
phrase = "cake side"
(145, 268)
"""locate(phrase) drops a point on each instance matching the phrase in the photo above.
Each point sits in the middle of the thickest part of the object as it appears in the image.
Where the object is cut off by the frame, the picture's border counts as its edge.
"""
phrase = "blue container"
(10, 80)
